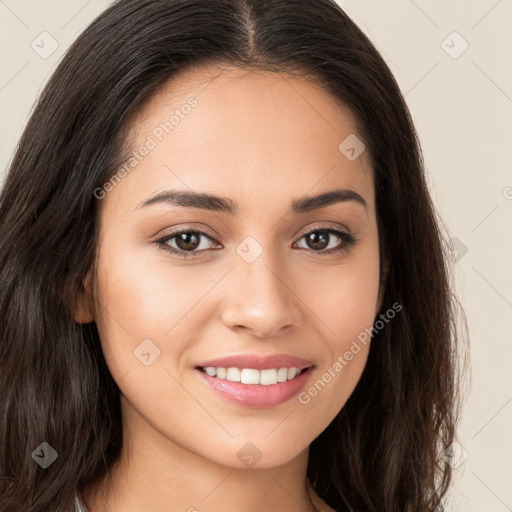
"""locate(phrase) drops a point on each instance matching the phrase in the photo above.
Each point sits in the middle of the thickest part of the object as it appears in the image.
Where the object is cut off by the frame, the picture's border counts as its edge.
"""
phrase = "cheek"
(139, 295)
(345, 305)
(344, 298)
(140, 301)
(130, 308)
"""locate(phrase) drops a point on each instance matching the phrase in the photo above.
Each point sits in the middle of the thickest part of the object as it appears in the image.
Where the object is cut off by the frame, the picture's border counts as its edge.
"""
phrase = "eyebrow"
(223, 204)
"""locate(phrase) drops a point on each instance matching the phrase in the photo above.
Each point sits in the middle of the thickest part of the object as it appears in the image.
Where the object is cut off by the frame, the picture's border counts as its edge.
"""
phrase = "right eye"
(187, 241)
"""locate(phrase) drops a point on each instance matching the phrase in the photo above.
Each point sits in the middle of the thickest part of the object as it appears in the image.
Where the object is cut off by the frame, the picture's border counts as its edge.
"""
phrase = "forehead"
(222, 129)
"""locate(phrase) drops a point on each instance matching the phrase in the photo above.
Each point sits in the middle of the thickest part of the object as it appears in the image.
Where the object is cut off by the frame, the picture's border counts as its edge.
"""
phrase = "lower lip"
(256, 395)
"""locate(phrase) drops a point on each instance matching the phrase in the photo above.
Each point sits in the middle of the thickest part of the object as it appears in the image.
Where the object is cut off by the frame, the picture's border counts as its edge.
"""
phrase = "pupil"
(187, 245)
(318, 235)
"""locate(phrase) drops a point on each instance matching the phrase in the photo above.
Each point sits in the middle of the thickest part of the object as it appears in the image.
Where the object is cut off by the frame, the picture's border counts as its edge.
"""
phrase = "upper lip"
(258, 362)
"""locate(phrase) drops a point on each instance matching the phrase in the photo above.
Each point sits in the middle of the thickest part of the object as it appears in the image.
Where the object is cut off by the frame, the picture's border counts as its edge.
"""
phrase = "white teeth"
(252, 376)
(292, 372)
(282, 375)
(268, 377)
(233, 374)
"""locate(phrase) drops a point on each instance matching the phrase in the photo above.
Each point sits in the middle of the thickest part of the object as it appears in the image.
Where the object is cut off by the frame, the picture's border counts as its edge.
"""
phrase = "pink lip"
(256, 395)
(258, 362)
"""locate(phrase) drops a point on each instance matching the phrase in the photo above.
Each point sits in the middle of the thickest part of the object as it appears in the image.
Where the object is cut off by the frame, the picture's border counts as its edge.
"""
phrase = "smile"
(269, 392)
(252, 376)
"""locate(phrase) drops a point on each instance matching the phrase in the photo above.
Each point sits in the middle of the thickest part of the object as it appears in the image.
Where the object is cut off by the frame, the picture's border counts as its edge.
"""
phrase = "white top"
(79, 506)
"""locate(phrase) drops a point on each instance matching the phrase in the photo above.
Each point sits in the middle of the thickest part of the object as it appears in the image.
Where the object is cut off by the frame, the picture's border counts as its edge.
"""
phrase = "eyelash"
(348, 240)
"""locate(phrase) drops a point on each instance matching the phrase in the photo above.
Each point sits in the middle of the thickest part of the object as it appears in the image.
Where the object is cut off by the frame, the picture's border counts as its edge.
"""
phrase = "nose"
(260, 298)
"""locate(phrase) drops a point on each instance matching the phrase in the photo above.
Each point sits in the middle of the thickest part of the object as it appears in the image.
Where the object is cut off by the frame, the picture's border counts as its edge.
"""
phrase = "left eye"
(188, 242)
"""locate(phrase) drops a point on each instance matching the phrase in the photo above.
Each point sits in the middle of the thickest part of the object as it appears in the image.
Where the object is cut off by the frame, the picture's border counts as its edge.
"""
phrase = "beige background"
(462, 108)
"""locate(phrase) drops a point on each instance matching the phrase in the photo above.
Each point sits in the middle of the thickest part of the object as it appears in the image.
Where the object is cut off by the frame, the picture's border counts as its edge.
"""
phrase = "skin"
(263, 140)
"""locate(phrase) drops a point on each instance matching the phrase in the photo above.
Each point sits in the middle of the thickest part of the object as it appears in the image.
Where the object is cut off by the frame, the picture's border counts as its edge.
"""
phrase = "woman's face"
(263, 280)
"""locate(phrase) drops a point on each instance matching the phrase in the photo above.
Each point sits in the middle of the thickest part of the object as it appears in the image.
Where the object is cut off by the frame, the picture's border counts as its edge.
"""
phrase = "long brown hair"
(384, 450)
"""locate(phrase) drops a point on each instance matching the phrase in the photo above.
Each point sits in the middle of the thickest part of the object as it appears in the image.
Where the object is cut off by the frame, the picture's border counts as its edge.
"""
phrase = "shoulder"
(79, 506)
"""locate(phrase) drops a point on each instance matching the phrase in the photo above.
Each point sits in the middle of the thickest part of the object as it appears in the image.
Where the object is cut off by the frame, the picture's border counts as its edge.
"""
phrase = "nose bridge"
(262, 299)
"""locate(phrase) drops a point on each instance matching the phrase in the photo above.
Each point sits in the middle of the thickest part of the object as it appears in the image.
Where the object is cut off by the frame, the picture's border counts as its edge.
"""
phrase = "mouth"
(250, 387)
(252, 376)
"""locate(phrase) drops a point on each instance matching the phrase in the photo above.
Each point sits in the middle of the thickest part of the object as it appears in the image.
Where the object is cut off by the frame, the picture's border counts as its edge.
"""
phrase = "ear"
(84, 306)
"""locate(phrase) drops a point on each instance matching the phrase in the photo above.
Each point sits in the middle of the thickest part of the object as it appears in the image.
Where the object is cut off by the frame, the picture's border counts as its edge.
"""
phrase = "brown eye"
(318, 240)
(187, 242)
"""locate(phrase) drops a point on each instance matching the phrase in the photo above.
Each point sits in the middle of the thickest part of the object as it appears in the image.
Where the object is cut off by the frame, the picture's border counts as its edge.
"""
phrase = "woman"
(222, 276)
